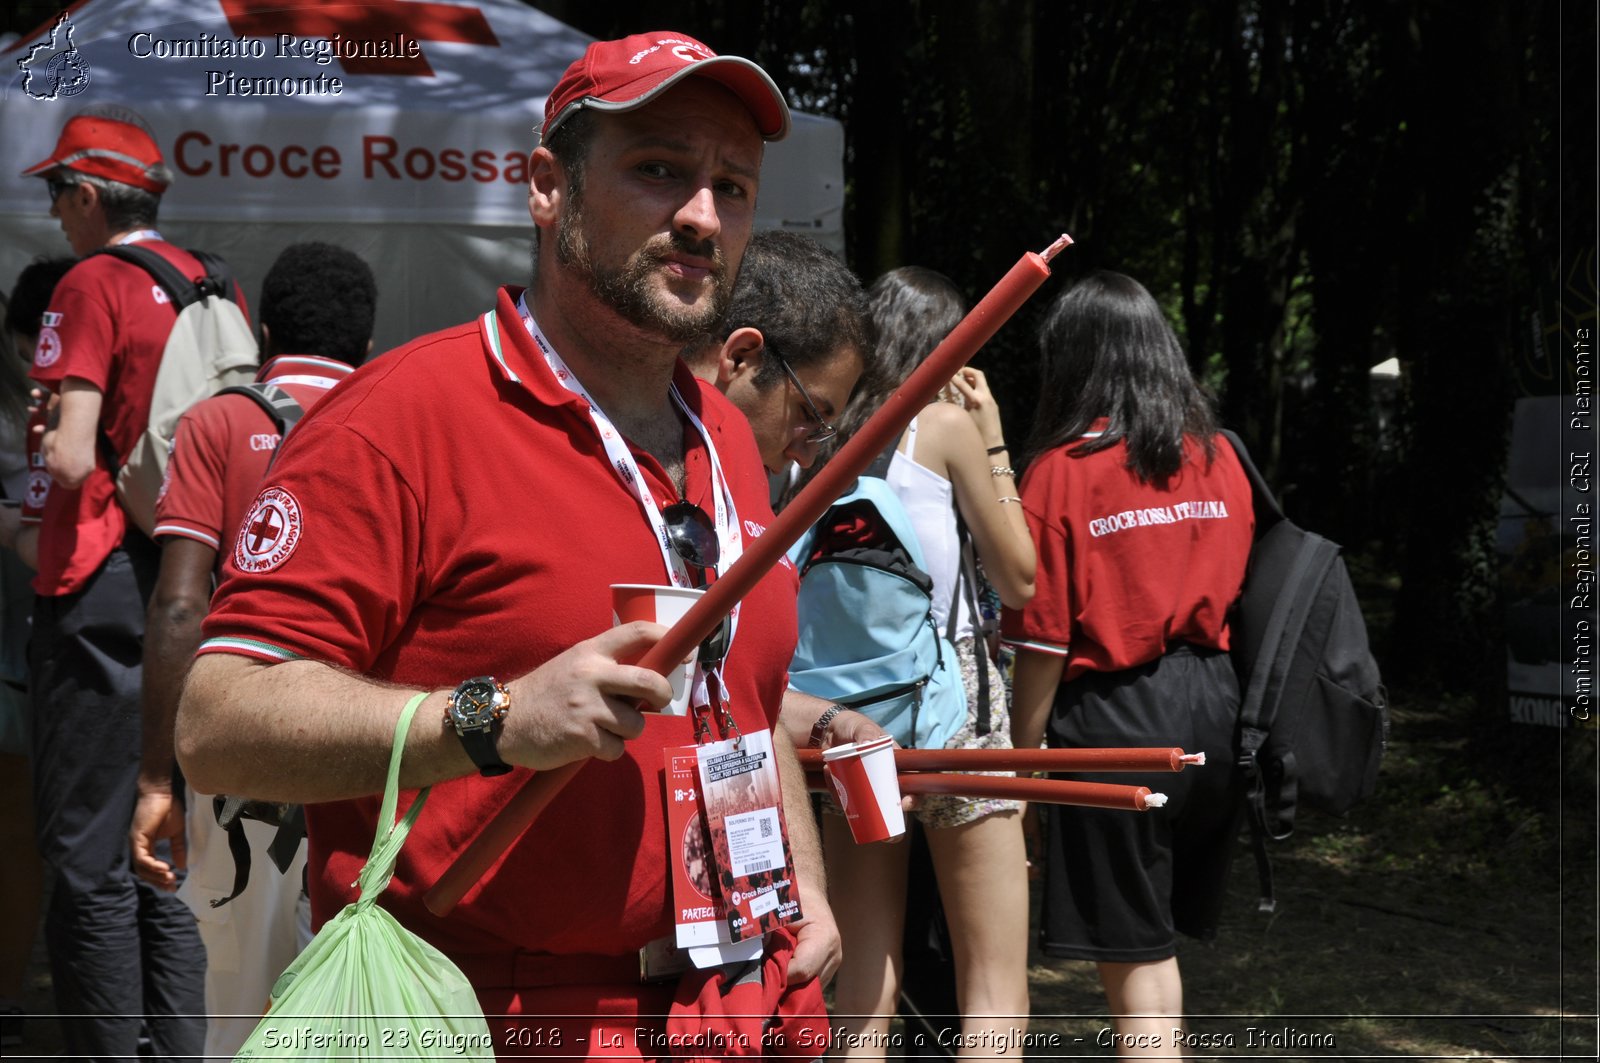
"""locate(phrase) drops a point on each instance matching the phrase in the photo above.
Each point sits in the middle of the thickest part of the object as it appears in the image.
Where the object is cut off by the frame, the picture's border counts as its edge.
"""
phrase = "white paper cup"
(864, 779)
(665, 606)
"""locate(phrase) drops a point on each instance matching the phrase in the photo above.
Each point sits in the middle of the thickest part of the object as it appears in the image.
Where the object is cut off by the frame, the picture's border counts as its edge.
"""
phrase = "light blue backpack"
(867, 635)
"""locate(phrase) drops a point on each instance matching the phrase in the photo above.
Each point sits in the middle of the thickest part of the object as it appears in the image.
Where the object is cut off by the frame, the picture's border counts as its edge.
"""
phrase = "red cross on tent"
(369, 20)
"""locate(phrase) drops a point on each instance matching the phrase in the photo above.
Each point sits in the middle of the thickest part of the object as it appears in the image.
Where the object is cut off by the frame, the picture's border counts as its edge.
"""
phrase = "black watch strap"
(474, 710)
(480, 746)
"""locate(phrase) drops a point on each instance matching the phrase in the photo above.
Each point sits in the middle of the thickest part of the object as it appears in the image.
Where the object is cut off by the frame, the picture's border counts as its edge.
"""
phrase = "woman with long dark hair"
(951, 461)
(1143, 521)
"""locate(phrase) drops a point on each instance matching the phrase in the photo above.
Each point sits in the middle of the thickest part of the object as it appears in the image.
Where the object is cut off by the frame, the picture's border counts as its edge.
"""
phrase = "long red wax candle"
(1133, 759)
(1042, 791)
(761, 554)
(1048, 791)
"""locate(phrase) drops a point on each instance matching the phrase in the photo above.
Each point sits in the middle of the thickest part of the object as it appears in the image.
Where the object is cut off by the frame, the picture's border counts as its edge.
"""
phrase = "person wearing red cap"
(448, 521)
(119, 949)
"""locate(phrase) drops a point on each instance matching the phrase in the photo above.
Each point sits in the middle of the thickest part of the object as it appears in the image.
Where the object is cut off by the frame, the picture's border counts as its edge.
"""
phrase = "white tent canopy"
(419, 165)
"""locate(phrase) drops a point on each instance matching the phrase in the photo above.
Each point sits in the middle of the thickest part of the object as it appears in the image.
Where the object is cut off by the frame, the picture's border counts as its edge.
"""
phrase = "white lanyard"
(730, 540)
(137, 236)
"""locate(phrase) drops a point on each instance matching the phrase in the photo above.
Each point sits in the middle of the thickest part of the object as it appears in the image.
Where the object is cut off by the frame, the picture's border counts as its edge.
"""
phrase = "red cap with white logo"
(617, 76)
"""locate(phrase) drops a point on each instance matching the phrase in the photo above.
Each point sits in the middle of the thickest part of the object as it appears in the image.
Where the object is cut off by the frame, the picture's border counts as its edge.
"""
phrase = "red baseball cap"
(617, 76)
(114, 148)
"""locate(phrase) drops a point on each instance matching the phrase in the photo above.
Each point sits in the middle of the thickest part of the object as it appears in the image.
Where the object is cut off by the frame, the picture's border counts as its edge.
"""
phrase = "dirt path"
(1442, 919)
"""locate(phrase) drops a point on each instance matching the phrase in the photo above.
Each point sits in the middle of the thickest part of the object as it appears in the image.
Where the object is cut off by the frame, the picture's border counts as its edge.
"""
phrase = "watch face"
(477, 703)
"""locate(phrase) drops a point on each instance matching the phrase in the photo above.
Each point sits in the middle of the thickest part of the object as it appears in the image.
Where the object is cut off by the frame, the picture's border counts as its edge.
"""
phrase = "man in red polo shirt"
(316, 311)
(118, 948)
(450, 518)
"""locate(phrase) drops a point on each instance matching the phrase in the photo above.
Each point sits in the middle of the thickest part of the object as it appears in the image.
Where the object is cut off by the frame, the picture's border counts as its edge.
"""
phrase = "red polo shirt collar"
(514, 353)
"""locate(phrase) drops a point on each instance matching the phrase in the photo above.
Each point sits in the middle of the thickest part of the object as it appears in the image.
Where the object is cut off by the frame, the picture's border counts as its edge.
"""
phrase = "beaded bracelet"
(1002, 470)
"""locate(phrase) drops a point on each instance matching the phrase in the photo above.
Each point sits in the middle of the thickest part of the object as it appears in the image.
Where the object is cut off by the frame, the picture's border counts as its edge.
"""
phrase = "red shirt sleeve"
(191, 499)
(80, 332)
(326, 562)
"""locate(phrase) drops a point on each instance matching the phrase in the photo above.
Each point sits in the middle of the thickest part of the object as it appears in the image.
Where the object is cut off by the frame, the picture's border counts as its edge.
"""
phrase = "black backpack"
(1314, 715)
(232, 810)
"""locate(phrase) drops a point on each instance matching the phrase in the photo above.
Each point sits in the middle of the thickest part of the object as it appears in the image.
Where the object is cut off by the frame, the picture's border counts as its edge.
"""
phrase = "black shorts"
(1119, 885)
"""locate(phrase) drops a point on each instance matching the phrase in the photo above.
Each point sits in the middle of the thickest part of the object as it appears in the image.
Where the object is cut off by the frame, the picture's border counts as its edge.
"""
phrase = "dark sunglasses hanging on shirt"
(694, 538)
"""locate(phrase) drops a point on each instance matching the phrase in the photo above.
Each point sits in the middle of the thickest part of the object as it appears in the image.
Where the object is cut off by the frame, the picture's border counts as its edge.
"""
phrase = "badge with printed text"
(270, 532)
(700, 916)
(749, 841)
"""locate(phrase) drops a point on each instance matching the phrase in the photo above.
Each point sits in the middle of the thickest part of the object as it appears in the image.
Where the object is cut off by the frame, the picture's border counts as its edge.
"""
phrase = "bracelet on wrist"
(1002, 470)
(1001, 449)
(1009, 498)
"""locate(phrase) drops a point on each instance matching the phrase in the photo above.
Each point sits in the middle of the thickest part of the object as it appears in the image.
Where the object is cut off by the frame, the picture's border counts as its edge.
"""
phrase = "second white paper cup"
(863, 777)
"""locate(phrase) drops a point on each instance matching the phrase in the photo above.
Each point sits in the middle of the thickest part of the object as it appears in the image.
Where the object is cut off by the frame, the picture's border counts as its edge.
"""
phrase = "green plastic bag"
(366, 987)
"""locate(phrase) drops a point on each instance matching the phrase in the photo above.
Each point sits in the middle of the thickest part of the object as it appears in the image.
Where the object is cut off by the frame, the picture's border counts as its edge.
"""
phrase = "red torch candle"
(1045, 791)
(761, 554)
(1062, 760)
(1041, 791)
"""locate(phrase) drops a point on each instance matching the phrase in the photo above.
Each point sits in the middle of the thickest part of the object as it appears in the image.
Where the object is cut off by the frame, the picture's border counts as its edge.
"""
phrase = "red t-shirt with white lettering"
(447, 512)
(1126, 569)
(107, 325)
(223, 447)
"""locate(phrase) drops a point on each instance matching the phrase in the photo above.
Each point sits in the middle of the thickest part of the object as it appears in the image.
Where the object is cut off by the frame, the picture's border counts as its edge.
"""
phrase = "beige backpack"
(210, 348)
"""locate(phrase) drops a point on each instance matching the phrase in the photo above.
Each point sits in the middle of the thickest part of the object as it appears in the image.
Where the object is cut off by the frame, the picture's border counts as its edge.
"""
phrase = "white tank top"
(930, 501)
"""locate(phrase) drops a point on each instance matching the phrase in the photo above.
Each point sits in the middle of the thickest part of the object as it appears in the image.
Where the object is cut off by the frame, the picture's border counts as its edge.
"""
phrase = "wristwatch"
(475, 709)
(819, 730)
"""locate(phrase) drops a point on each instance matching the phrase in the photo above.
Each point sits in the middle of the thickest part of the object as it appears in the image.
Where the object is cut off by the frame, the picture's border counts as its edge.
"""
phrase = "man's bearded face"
(633, 288)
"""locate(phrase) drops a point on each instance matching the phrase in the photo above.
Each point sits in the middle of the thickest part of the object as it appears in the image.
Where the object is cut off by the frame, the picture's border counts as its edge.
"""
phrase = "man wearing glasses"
(118, 948)
(795, 340)
(448, 521)
(793, 344)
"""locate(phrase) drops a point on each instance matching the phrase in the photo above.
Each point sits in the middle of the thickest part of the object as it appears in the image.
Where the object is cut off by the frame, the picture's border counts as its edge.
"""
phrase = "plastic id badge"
(699, 914)
(749, 842)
